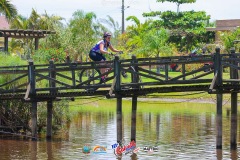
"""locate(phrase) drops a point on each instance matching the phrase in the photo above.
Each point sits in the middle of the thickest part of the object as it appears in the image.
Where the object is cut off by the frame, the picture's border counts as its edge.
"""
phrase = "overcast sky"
(217, 9)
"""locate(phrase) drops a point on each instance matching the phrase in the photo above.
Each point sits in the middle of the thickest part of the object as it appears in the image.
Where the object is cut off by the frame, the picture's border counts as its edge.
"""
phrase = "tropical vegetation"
(166, 33)
(162, 34)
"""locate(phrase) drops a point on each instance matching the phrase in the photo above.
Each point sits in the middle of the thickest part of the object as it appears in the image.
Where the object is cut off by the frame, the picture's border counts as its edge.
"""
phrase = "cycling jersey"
(96, 48)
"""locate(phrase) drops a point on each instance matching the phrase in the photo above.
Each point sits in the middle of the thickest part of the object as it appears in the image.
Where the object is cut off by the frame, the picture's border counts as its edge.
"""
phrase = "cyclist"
(101, 48)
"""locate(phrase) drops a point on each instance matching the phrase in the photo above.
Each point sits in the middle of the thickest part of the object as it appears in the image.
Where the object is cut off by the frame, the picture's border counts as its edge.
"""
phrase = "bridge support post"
(49, 119)
(233, 143)
(32, 81)
(117, 74)
(119, 120)
(233, 75)
(34, 120)
(52, 84)
(219, 122)
(218, 71)
(134, 115)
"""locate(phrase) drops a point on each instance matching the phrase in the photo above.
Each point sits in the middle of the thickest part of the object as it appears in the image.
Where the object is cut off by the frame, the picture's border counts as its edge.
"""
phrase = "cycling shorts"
(95, 56)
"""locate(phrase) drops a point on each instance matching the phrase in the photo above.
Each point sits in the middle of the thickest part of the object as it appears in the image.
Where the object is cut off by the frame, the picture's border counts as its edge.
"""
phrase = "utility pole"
(122, 16)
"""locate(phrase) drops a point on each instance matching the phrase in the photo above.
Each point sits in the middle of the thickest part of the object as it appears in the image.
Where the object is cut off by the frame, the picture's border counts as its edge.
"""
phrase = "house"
(3, 25)
(224, 25)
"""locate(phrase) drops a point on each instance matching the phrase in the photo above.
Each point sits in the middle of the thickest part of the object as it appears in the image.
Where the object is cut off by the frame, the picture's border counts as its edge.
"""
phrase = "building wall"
(228, 23)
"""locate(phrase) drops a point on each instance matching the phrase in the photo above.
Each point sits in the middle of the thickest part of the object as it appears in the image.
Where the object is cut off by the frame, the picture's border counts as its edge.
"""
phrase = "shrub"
(43, 55)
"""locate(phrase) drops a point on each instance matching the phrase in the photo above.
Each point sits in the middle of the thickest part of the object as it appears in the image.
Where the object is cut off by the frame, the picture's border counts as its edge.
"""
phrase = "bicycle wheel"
(88, 78)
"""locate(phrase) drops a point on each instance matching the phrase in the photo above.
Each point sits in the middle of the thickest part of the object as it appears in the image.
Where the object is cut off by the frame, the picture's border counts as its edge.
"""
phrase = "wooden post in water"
(134, 118)
(32, 93)
(233, 142)
(52, 84)
(233, 75)
(218, 70)
(135, 80)
(49, 119)
(50, 151)
(33, 150)
(34, 120)
(117, 74)
(219, 122)
(119, 120)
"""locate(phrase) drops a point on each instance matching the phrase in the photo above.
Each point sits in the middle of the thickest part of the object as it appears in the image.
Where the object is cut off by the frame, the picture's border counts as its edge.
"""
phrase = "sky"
(217, 9)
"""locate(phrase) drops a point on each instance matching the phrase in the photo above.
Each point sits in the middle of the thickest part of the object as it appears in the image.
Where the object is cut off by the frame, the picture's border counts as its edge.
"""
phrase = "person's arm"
(113, 49)
(101, 46)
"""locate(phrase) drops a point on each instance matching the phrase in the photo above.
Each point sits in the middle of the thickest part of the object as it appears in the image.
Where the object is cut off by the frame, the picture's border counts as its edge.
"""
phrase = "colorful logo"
(150, 149)
(119, 150)
(86, 149)
(100, 149)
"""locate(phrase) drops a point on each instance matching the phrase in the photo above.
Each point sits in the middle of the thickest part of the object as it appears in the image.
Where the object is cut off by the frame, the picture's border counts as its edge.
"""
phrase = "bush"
(43, 55)
(11, 60)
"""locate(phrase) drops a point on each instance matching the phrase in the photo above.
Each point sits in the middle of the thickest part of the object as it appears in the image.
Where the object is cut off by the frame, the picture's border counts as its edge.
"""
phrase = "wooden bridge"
(34, 83)
(49, 81)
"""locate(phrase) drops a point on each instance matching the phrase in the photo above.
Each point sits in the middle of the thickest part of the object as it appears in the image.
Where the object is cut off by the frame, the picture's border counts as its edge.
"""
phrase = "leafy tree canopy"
(8, 9)
(188, 21)
(186, 27)
(178, 1)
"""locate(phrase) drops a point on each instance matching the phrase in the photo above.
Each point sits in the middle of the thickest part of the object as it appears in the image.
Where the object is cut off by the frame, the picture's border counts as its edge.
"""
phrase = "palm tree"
(36, 22)
(83, 30)
(114, 26)
(135, 35)
(8, 9)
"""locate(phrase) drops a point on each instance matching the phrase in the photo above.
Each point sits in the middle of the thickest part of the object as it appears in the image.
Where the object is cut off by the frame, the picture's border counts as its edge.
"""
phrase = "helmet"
(105, 34)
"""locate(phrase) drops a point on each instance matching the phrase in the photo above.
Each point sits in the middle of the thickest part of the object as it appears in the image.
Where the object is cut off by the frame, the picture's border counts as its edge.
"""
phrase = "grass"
(109, 105)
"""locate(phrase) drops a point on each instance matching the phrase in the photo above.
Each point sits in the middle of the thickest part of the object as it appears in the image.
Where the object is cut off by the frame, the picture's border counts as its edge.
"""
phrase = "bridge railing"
(43, 78)
(191, 70)
(13, 79)
(141, 73)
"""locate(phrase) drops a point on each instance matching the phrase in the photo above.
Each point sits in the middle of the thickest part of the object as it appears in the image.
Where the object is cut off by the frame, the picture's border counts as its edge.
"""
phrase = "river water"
(185, 131)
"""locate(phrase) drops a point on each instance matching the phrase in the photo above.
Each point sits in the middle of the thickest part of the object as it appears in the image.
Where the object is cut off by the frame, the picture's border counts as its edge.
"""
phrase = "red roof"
(4, 23)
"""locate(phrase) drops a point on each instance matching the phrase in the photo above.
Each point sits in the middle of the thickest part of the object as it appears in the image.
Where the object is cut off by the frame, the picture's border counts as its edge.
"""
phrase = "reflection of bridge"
(34, 83)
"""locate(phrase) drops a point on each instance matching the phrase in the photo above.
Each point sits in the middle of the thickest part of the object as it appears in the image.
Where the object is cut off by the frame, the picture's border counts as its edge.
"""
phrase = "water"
(183, 132)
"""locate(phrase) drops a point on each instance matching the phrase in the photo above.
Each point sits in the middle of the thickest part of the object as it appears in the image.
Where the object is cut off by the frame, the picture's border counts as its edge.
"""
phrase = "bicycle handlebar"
(111, 54)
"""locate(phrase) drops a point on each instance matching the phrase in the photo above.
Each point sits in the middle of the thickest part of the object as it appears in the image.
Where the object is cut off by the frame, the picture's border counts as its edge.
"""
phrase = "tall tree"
(114, 27)
(156, 43)
(35, 22)
(135, 35)
(187, 28)
(83, 34)
(8, 9)
(178, 2)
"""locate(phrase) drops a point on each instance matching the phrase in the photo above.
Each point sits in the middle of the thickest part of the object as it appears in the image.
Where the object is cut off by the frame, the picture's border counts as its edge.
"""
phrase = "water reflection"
(175, 134)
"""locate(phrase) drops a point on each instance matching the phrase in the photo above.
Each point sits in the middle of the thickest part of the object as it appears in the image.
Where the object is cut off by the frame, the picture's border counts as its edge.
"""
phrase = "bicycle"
(92, 77)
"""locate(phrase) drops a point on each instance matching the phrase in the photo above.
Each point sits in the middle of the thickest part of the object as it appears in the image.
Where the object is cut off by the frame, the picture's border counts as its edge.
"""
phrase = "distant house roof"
(225, 25)
(4, 23)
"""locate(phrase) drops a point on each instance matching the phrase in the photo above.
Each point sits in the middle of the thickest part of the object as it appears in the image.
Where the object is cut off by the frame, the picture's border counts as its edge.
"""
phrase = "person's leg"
(100, 58)
(103, 70)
